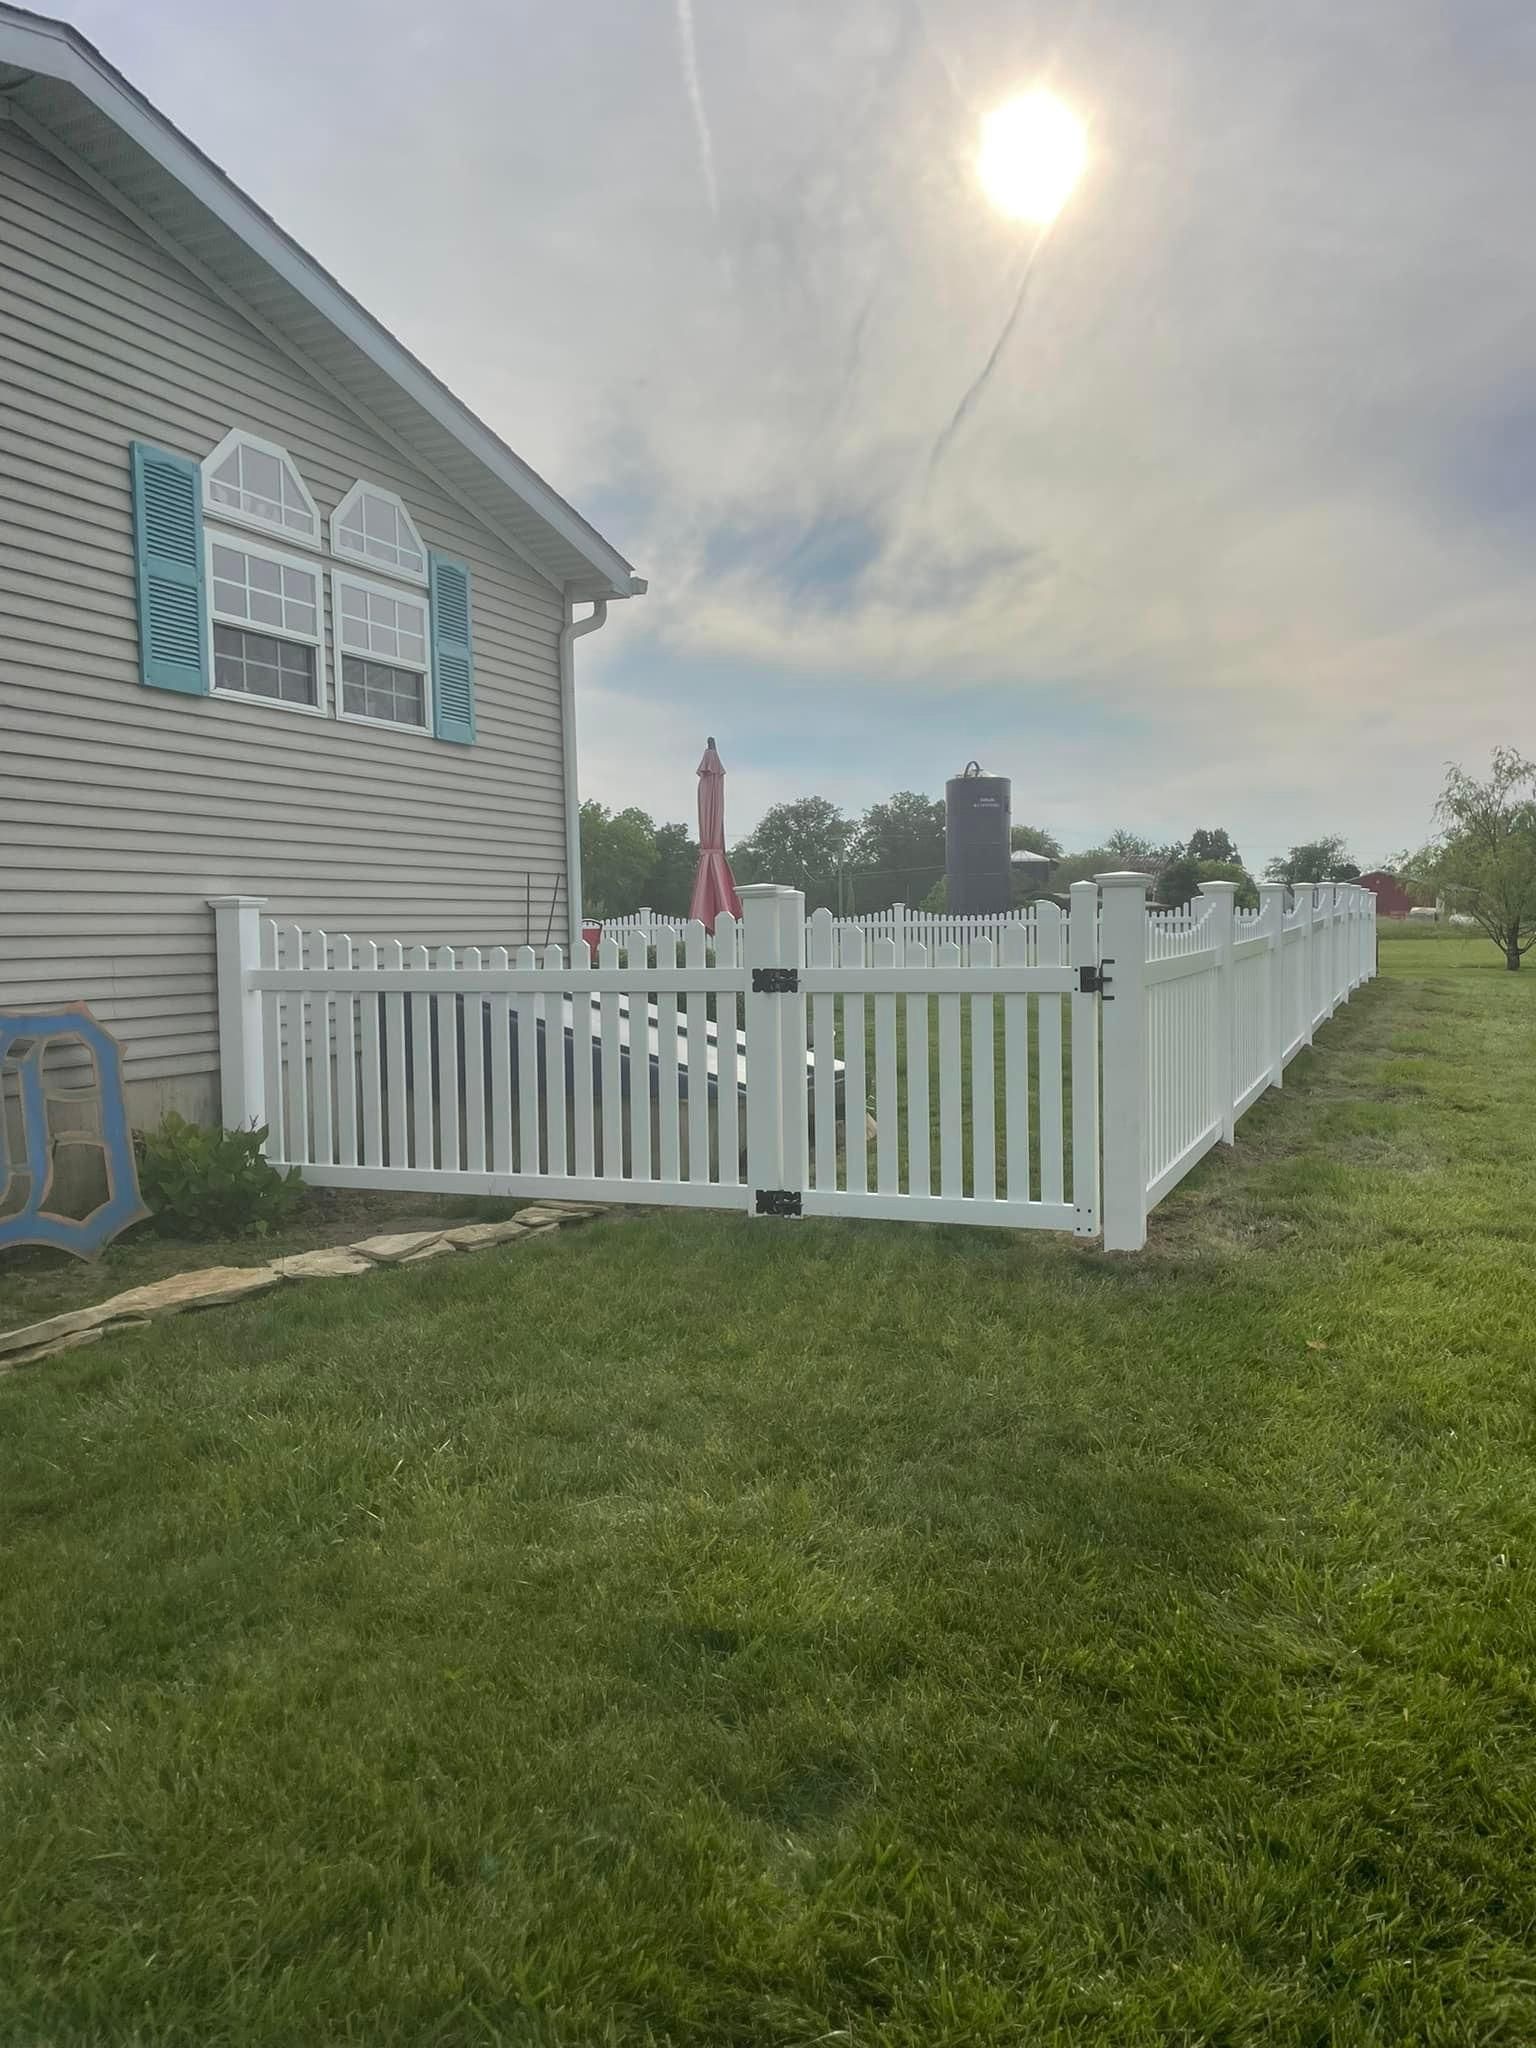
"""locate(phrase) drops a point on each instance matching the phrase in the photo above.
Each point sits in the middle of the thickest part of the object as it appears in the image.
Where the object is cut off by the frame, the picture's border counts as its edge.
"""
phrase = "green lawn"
(706, 1631)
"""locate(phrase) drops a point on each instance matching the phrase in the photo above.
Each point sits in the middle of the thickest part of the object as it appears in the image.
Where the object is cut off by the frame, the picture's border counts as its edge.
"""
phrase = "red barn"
(1392, 899)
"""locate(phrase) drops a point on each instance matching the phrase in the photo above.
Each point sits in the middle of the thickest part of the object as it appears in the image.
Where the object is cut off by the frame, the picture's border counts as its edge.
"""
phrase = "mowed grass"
(706, 1631)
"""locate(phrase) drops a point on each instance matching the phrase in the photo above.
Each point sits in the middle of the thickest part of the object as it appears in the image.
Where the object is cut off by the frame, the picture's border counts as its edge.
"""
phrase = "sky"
(1239, 530)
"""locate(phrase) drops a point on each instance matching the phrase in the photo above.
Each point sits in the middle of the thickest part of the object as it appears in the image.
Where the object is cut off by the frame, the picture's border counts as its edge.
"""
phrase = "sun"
(1032, 154)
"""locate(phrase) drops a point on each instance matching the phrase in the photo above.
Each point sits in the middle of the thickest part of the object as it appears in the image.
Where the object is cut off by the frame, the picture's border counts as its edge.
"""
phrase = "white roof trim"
(38, 43)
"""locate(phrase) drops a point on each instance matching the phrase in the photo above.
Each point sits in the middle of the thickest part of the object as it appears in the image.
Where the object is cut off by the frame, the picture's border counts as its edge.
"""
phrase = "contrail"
(690, 55)
(979, 383)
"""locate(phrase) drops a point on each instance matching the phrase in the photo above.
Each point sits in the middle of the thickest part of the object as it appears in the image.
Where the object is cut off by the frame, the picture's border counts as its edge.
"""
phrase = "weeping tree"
(1484, 861)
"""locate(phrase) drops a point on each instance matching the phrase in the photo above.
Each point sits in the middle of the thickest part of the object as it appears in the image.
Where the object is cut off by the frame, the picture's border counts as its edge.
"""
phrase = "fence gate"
(945, 1091)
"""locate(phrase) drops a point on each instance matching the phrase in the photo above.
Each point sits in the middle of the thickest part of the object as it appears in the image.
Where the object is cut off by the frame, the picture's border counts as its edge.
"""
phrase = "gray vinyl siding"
(122, 808)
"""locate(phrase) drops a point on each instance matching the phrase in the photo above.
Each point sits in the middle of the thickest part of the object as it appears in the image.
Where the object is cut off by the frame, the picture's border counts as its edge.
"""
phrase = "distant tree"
(1180, 881)
(1212, 843)
(1315, 860)
(803, 844)
(1131, 853)
(1484, 862)
(897, 851)
(1034, 839)
(1082, 867)
(618, 859)
(672, 877)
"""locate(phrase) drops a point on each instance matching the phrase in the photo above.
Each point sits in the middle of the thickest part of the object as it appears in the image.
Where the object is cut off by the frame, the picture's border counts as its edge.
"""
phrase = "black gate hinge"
(778, 1201)
(775, 981)
(1093, 981)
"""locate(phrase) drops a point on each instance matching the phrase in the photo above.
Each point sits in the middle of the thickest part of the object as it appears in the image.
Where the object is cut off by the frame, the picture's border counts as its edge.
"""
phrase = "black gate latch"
(1093, 981)
(775, 981)
(778, 1201)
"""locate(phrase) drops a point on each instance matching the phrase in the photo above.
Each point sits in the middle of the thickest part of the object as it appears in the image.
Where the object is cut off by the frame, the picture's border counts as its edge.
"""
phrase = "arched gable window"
(250, 482)
(372, 525)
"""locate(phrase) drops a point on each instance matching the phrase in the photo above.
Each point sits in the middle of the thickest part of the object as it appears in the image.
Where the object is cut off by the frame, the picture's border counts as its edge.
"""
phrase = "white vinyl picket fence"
(791, 1066)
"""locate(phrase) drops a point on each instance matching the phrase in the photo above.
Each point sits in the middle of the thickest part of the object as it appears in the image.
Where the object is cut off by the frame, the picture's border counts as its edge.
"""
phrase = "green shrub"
(200, 1181)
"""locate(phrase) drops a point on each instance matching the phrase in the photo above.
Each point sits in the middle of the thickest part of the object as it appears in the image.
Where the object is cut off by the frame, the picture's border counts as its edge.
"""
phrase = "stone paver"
(392, 1246)
(476, 1237)
(330, 1262)
(193, 1290)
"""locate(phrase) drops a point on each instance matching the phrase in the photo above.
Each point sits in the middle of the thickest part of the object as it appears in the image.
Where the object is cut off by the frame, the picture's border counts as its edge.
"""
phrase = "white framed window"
(250, 482)
(383, 661)
(267, 624)
(373, 526)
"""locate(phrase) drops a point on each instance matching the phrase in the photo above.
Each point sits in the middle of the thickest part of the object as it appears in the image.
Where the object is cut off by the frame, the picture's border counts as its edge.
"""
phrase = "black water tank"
(977, 812)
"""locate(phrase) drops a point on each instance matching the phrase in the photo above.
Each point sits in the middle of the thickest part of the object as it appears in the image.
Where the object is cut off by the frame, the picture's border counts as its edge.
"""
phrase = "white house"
(279, 616)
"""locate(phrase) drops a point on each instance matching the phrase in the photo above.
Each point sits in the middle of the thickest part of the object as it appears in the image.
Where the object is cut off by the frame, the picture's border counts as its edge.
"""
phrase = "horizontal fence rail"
(1062, 1071)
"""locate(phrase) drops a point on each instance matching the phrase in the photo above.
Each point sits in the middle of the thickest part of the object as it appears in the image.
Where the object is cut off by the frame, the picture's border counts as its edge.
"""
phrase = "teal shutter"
(453, 662)
(168, 555)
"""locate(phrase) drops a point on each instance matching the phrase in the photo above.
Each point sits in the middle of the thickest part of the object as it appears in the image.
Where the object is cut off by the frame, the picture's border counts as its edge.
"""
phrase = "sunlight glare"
(1032, 153)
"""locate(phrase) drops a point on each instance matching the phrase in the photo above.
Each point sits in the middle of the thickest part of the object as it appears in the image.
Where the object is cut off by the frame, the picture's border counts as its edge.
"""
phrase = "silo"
(977, 812)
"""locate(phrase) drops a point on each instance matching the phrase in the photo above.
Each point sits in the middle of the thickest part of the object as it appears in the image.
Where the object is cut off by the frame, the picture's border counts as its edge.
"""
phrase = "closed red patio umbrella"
(714, 886)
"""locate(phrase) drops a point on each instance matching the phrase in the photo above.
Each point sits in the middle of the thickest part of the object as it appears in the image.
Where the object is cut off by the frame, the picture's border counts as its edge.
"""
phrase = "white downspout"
(572, 631)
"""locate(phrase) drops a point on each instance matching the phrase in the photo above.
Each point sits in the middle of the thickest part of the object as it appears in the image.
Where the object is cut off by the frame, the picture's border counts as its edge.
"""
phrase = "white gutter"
(570, 632)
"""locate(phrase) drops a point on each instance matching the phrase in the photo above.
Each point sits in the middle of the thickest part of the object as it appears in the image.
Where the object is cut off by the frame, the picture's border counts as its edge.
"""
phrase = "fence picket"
(445, 1010)
(1018, 944)
(530, 1013)
(850, 947)
(582, 1050)
(344, 1011)
(371, 1074)
(919, 1130)
(555, 1156)
(983, 1085)
(696, 1065)
(820, 944)
(392, 956)
(501, 1072)
(296, 1130)
(419, 1046)
(316, 952)
(473, 1009)
(1048, 1045)
(887, 1115)
(727, 1063)
(639, 1070)
(951, 1127)
(612, 1069)
(272, 1002)
(667, 1091)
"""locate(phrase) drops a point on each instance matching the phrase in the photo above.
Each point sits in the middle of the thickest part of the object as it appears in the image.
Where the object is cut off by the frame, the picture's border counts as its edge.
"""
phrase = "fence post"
(772, 937)
(1084, 952)
(1305, 902)
(899, 932)
(1272, 905)
(242, 1070)
(1222, 897)
(1123, 949)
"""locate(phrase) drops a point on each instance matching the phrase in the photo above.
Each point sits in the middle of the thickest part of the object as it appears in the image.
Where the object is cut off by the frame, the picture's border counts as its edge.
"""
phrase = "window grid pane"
(255, 591)
(257, 665)
(376, 529)
(371, 689)
(373, 623)
(264, 487)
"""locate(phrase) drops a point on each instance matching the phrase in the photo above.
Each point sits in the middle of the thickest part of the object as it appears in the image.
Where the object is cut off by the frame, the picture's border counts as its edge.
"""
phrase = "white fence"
(791, 1066)
(1205, 1008)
